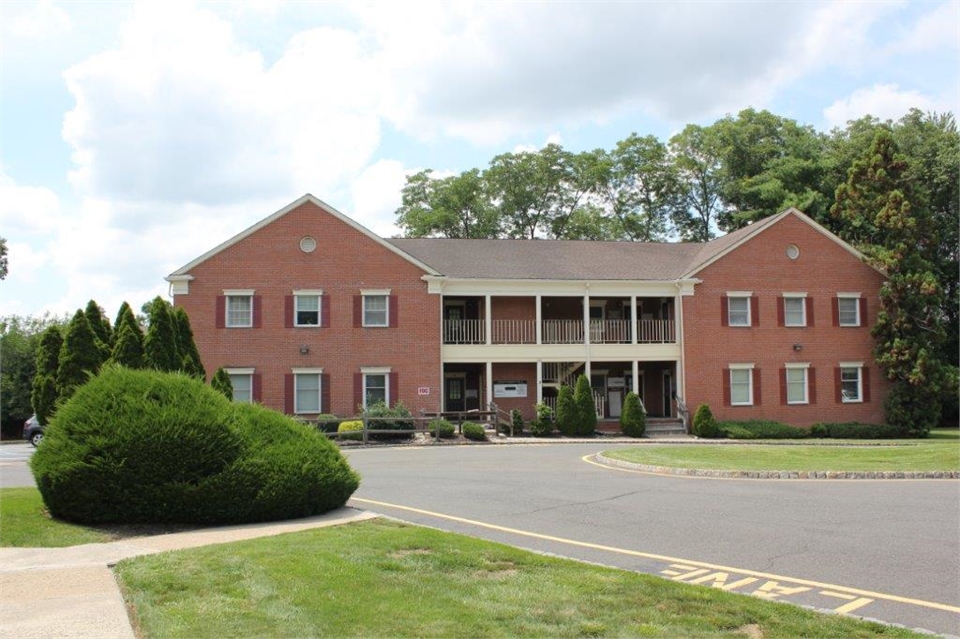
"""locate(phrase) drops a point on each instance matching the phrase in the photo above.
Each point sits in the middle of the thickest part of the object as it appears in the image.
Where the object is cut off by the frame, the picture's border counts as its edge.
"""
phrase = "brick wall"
(761, 266)
(345, 261)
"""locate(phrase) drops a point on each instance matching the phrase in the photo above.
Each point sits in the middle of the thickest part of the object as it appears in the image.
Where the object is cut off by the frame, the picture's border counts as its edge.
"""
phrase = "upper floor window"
(376, 308)
(848, 310)
(306, 311)
(239, 310)
(738, 309)
(794, 310)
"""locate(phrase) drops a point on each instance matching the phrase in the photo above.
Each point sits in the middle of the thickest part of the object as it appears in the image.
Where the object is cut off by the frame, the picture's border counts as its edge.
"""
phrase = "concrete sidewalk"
(71, 592)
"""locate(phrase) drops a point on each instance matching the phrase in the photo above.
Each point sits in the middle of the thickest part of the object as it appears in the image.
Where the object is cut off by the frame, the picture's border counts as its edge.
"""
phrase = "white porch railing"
(562, 332)
(514, 331)
(656, 331)
(610, 331)
(463, 331)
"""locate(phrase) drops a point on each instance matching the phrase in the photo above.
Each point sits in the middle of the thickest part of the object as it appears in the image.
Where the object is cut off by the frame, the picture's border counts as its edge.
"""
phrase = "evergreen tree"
(633, 419)
(160, 344)
(100, 324)
(566, 412)
(128, 349)
(126, 316)
(191, 364)
(80, 357)
(43, 397)
(586, 407)
(221, 382)
(876, 209)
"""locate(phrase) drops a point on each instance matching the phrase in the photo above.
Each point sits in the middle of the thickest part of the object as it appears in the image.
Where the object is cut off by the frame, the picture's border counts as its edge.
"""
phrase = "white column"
(489, 381)
(539, 376)
(680, 373)
(586, 319)
(633, 322)
(488, 322)
(539, 326)
(636, 376)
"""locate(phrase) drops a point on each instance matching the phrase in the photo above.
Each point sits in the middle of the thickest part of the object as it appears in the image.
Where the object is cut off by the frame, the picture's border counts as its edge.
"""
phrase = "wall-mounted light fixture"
(304, 349)
(798, 347)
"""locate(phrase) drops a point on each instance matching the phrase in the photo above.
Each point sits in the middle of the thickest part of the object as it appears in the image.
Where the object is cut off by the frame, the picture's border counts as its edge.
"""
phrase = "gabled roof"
(183, 271)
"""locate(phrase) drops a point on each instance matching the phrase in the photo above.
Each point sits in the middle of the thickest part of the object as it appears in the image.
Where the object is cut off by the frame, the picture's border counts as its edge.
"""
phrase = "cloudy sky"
(136, 136)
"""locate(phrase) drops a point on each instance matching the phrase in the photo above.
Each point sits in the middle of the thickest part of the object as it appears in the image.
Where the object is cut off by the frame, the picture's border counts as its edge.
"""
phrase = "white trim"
(364, 296)
(806, 383)
(739, 293)
(797, 365)
(849, 295)
(850, 365)
(307, 371)
(312, 372)
(859, 369)
(367, 372)
(803, 309)
(231, 294)
(239, 371)
(794, 295)
(184, 270)
(308, 291)
(375, 370)
(238, 292)
(740, 296)
(375, 291)
(741, 366)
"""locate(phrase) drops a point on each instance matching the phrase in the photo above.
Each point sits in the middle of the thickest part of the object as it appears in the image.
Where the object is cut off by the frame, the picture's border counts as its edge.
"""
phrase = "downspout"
(682, 373)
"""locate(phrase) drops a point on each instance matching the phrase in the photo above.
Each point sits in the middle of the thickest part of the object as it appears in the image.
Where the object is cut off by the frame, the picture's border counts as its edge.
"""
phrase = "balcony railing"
(559, 331)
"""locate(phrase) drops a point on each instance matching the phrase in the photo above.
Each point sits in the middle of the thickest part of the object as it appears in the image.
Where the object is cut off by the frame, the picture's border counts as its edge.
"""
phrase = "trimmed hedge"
(542, 424)
(351, 430)
(761, 429)
(327, 423)
(447, 430)
(856, 430)
(137, 446)
(398, 411)
(474, 432)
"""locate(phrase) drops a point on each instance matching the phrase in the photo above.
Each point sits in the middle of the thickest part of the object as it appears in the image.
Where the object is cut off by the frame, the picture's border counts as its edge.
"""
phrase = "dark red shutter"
(255, 391)
(812, 385)
(394, 387)
(865, 382)
(357, 311)
(257, 311)
(325, 393)
(781, 311)
(288, 311)
(810, 321)
(838, 385)
(358, 392)
(325, 311)
(835, 304)
(863, 312)
(783, 386)
(724, 312)
(288, 393)
(726, 386)
(221, 311)
(754, 311)
(392, 305)
(757, 396)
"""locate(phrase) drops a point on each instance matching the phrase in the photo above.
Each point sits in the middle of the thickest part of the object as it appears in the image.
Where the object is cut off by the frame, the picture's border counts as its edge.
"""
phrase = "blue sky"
(136, 136)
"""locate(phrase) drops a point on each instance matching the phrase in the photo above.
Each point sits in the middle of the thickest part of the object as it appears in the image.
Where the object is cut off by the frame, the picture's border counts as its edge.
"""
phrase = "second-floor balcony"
(560, 331)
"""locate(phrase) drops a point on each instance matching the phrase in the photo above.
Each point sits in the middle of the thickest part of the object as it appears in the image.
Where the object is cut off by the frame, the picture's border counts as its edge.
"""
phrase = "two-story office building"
(311, 313)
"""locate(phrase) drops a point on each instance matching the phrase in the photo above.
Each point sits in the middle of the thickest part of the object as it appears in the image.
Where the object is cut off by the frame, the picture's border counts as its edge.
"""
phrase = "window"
(306, 392)
(741, 385)
(375, 389)
(306, 309)
(794, 310)
(239, 311)
(848, 309)
(242, 381)
(738, 310)
(851, 383)
(375, 311)
(796, 384)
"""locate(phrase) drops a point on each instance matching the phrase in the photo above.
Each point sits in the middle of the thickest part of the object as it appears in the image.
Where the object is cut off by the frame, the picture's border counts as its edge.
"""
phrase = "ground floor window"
(741, 386)
(306, 394)
(851, 385)
(375, 389)
(796, 385)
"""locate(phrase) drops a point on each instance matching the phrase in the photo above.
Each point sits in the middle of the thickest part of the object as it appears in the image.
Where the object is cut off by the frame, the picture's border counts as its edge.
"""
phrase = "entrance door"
(454, 391)
(614, 402)
(667, 394)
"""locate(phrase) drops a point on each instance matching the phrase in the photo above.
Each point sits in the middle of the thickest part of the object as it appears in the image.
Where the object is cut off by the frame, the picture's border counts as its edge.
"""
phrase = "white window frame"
(738, 368)
(370, 293)
(854, 366)
(737, 295)
(806, 383)
(802, 298)
(307, 372)
(237, 294)
(856, 306)
(374, 371)
(314, 293)
(241, 372)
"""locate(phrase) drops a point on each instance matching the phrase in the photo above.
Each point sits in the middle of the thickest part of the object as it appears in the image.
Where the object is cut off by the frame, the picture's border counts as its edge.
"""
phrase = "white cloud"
(884, 101)
(38, 21)
(376, 196)
(936, 29)
(27, 210)
(25, 262)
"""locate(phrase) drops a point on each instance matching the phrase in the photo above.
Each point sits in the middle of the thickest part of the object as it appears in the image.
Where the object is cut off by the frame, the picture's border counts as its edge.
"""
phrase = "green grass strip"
(386, 579)
(24, 522)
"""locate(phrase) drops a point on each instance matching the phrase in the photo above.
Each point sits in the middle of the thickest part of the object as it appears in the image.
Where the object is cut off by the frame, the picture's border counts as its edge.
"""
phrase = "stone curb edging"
(776, 474)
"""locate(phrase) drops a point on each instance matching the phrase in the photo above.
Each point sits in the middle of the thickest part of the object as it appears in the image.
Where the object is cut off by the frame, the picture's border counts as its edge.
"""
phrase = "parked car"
(33, 430)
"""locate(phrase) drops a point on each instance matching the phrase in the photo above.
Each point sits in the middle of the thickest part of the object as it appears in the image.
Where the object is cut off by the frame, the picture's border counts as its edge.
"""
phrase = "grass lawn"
(24, 522)
(385, 579)
(941, 451)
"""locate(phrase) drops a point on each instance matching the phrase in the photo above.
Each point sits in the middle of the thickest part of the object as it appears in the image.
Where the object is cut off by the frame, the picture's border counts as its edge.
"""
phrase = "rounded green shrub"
(350, 430)
(327, 423)
(516, 417)
(445, 429)
(567, 415)
(705, 424)
(474, 432)
(138, 446)
(542, 424)
(633, 419)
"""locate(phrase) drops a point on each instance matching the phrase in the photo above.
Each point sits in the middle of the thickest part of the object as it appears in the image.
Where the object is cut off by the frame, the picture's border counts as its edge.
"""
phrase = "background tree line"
(891, 189)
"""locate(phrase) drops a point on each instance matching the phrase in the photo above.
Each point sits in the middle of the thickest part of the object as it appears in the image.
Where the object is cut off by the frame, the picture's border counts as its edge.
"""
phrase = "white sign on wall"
(510, 388)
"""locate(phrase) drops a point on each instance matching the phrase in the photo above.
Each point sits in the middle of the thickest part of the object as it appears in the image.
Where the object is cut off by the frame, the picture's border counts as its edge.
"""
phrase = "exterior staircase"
(665, 427)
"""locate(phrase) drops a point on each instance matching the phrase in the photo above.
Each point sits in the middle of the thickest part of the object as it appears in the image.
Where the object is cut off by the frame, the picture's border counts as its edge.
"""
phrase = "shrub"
(445, 428)
(160, 343)
(586, 407)
(517, 418)
(138, 446)
(633, 419)
(542, 424)
(732, 431)
(855, 430)
(474, 432)
(80, 357)
(222, 384)
(327, 423)
(819, 431)
(762, 429)
(402, 421)
(704, 423)
(566, 413)
(350, 430)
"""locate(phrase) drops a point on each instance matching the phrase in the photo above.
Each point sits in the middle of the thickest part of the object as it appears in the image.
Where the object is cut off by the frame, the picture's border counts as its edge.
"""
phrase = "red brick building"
(311, 313)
